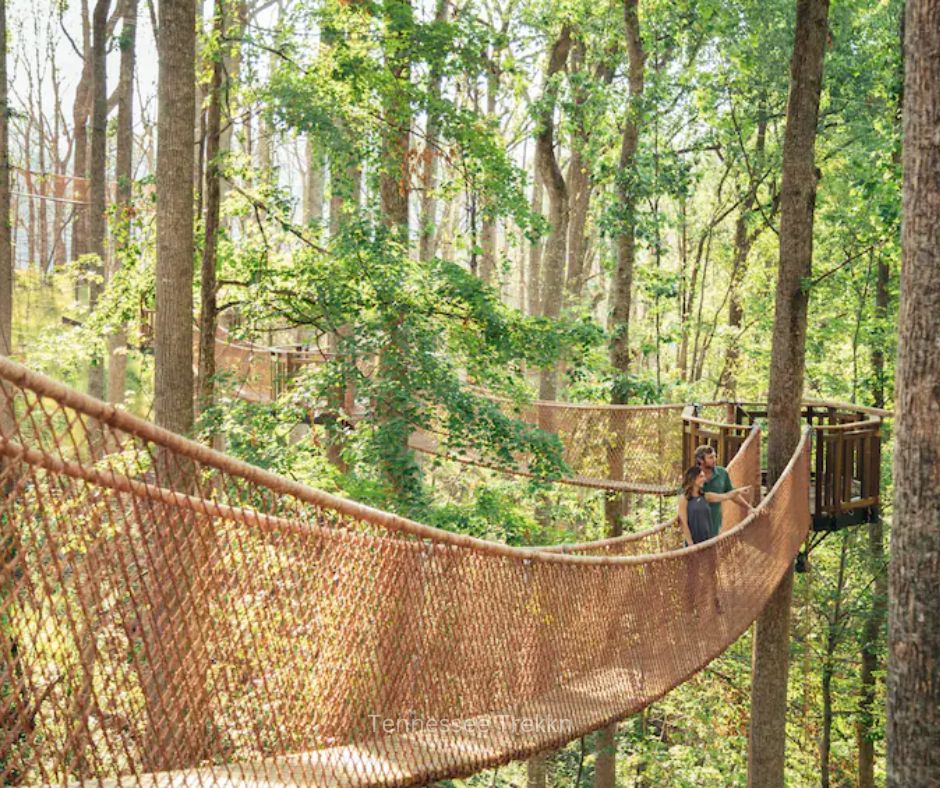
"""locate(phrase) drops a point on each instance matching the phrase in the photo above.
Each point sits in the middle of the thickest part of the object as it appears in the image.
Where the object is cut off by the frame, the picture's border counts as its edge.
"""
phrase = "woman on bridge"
(701, 586)
(694, 514)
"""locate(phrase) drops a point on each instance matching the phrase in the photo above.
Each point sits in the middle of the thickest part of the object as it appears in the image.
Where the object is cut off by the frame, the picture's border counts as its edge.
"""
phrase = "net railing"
(168, 611)
(620, 448)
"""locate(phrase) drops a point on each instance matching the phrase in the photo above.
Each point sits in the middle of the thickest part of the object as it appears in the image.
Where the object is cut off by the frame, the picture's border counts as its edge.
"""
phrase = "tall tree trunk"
(175, 692)
(59, 249)
(80, 112)
(98, 175)
(579, 183)
(875, 618)
(488, 234)
(395, 175)
(834, 625)
(6, 241)
(427, 241)
(313, 184)
(553, 262)
(173, 345)
(208, 311)
(43, 257)
(914, 604)
(615, 503)
(233, 64)
(124, 171)
(743, 241)
(534, 291)
(798, 197)
(622, 284)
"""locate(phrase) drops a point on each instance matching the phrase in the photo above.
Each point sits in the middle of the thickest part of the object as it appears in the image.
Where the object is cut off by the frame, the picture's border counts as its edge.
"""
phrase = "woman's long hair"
(688, 480)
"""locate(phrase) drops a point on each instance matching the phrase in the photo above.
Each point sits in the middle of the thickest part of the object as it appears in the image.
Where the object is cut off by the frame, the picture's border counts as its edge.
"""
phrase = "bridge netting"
(169, 615)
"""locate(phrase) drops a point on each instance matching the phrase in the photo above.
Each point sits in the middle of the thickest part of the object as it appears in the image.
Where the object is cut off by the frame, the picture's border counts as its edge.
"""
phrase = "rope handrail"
(165, 608)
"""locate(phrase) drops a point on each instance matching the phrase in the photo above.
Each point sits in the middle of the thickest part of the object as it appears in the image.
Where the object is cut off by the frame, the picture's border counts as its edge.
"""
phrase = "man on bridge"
(717, 480)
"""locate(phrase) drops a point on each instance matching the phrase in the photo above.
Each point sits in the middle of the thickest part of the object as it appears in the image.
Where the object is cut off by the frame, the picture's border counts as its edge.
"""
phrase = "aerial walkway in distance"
(170, 615)
(640, 449)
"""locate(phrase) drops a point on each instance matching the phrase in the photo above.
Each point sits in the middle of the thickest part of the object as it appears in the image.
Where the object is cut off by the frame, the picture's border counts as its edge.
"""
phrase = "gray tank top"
(700, 519)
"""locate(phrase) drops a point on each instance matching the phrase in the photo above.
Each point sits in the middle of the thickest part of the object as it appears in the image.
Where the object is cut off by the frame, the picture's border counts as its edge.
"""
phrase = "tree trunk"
(6, 241)
(534, 292)
(743, 241)
(798, 196)
(175, 692)
(98, 176)
(537, 771)
(313, 185)
(80, 112)
(834, 625)
(579, 184)
(622, 285)
(553, 262)
(913, 728)
(427, 241)
(395, 175)
(873, 631)
(124, 170)
(208, 312)
(605, 768)
(488, 233)
(173, 345)
(59, 253)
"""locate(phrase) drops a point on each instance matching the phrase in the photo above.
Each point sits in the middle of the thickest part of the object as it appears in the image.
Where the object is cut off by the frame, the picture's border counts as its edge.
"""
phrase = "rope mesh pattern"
(621, 448)
(166, 609)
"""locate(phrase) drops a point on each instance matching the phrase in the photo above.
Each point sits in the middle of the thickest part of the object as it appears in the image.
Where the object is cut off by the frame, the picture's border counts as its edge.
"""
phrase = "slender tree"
(6, 241)
(173, 326)
(770, 662)
(534, 278)
(914, 605)
(429, 230)
(605, 775)
(553, 257)
(395, 175)
(81, 110)
(124, 171)
(622, 284)
(208, 312)
(97, 190)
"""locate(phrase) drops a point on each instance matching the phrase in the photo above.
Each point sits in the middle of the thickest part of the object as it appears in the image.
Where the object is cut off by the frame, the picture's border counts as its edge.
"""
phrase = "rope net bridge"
(169, 615)
(629, 448)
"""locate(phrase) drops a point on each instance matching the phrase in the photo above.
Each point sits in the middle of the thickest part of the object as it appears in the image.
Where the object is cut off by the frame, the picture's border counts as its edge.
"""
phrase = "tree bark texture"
(428, 234)
(208, 311)
(798, 197)
(173, 322)
(913, 728)
(622, 285)
(553, 258)
(124, 170)
(6, 240)
(534, 278)
(395, 175)
(97, 208)
(81, 109)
